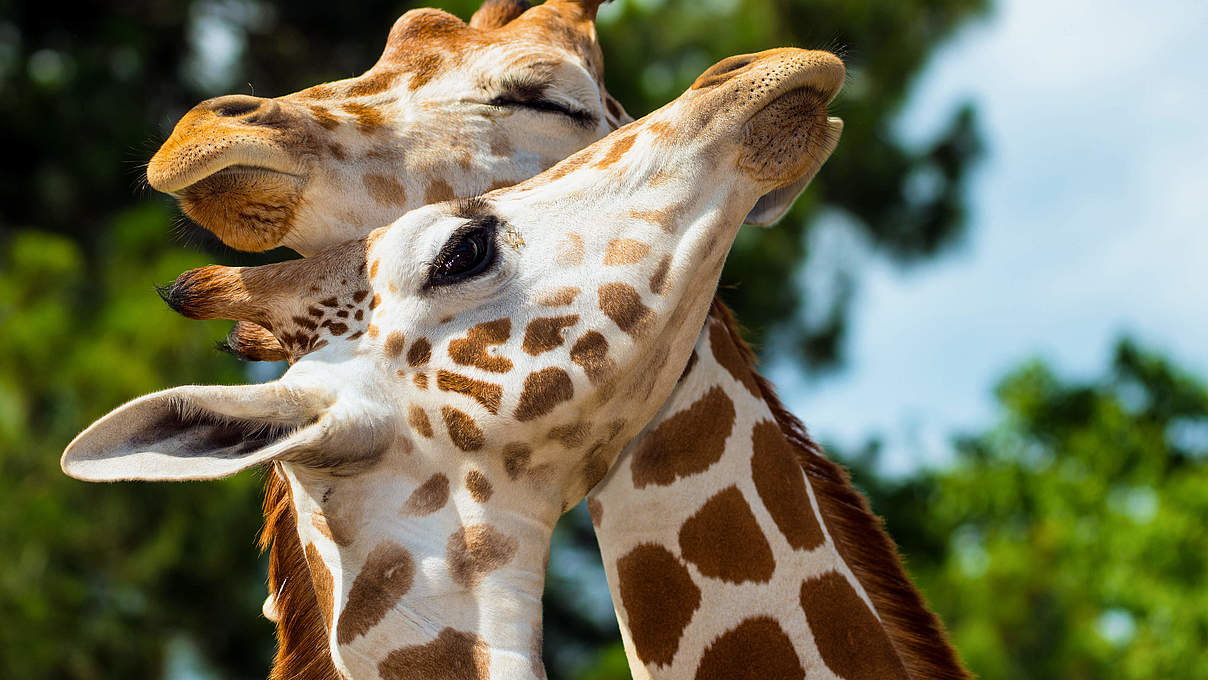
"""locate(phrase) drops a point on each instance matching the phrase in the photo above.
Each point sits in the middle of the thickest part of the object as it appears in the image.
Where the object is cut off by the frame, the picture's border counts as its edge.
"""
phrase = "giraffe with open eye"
(677, 459)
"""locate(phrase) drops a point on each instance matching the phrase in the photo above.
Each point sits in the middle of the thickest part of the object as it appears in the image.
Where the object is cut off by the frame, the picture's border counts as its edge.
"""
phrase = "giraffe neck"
(467, 628)
(734, 548)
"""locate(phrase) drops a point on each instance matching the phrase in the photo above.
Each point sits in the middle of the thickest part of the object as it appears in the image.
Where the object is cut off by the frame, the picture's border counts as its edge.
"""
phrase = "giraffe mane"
(302, 651)
(915, 631)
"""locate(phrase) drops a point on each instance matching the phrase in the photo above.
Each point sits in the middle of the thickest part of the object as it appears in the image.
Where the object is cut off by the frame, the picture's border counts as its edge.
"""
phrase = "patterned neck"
(733, 548)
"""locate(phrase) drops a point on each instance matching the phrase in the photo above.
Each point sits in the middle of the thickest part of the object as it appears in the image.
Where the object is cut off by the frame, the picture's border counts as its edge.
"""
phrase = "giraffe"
(854, 540)
(447, 582)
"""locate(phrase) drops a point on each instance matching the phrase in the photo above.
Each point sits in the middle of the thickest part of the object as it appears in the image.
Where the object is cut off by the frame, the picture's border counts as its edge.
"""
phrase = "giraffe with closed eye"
(550, 322)
(876, 576)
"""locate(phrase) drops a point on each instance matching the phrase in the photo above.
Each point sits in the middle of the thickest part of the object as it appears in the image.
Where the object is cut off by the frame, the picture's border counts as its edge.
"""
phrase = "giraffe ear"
(197, 432)
(497, 13)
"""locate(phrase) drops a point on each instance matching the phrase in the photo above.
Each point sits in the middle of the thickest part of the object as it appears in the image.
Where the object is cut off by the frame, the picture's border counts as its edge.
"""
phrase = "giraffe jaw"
(248, 207)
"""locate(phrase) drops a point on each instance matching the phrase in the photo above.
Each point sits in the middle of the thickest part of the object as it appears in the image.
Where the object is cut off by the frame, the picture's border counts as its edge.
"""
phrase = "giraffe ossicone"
(425, 507)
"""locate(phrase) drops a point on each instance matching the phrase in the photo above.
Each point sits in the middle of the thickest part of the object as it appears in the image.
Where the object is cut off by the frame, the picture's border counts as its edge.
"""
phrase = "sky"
(1088, 219)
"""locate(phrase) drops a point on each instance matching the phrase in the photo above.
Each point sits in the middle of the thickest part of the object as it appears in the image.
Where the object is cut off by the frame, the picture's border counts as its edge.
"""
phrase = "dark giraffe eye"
(469, 252)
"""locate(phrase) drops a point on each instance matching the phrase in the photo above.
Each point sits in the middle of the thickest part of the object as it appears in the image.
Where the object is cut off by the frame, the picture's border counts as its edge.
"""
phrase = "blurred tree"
(1069, 541)
(100, 581)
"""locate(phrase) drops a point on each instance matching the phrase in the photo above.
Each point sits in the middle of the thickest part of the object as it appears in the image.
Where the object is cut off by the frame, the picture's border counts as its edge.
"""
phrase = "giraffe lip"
(240, 171)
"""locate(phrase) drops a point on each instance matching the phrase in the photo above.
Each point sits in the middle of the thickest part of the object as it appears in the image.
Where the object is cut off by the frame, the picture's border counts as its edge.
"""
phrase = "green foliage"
(98, 581)
(1069, 541)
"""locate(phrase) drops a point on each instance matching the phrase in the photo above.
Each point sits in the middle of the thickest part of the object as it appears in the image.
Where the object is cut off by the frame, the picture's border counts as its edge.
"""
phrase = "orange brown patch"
(850, 639)
(485, 393)
(479, 486)
(590, 352)
(687, 443)
(472, 349)
(781, 485)
(621, 303)
(658, 280)
(453, 655)
(659, 599)
(395, 343)
(558, 297)
(543, 390)
(477, 550)
(417, 418)
(625, 251)
(427, 497)
(569, 251)
(385, 190)
(385, 577)
(368, 119)
(728, 355)
(545, 333)
(439, 191)
(420, 353)
(756, 649)
(464, 432)
(617, 150)
(724, 541)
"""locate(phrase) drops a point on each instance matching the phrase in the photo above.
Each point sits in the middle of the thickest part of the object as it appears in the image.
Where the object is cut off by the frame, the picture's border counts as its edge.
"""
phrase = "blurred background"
(989, 305)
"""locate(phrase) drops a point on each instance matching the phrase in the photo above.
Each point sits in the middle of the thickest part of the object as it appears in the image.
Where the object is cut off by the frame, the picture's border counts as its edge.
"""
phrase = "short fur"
(916, 632)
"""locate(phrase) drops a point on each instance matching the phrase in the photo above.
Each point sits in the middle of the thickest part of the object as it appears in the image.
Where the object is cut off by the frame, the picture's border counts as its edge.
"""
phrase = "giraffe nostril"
(721, 71)
(234, 105)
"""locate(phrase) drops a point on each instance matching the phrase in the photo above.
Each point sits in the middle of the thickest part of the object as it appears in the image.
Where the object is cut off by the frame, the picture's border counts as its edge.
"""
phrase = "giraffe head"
(464, 375)
(449, 110)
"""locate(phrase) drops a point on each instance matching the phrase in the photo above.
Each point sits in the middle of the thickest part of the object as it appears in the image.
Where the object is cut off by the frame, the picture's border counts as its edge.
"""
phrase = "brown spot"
(377, 300)
(368, 119)
(427, 497)
(373, 268)
(417, 418)
(472, 349)
(360, 315)
(424, 68)
(360, 295)
(323, 117)
(386, 576)
(516, 457)
(477, 550)
(421, 380)
(625, 251)
(320, 575)
(479, 486)
(453, 655)
(462, 429)
(395, 342)
(724, 540)
(621, 303)
(617, 150)
(372, 331)
(687, 443)
(330, 528)
(335, 327)
(543, 390)
(558, 297)
(729, 356)
(781, 485)
(570, 251)
(850, 639)
(590, 352)
(659, 599)
(485, 393)
(571, 434)
(385, 190)
(372, 82)
(596, 509)
(658, 280)
(756, 649)
(439, 191)
(545, 333)
(420, 353)
(667, 218)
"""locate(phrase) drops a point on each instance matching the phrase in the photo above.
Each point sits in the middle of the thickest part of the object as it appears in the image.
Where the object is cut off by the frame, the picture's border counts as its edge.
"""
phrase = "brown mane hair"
(302, 651)
(916, 632)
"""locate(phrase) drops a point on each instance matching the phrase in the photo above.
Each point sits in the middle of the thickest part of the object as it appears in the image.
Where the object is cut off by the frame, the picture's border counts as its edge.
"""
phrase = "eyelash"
(436, 277)
(519, 92)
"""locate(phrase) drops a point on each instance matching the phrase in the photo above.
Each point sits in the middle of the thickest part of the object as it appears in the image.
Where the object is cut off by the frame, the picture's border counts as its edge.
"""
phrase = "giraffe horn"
(580, 9)
(217, 292)
(497, 13)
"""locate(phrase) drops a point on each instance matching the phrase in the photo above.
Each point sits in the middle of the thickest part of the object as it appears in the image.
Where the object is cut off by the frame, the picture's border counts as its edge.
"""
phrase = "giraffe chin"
(247, 208)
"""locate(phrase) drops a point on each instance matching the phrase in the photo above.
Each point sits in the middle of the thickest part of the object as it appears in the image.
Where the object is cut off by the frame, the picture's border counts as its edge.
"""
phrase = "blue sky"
(1089, 218)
